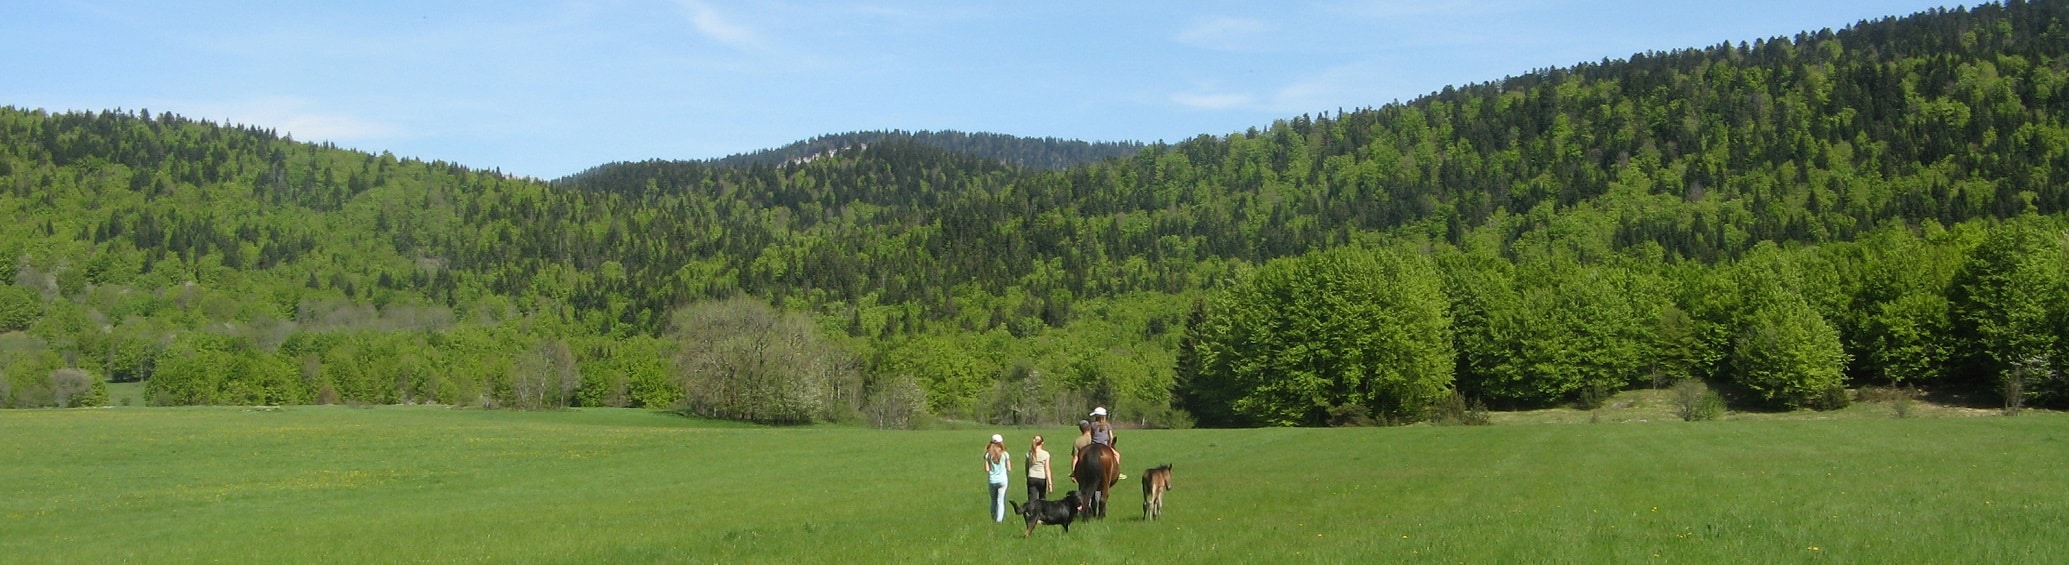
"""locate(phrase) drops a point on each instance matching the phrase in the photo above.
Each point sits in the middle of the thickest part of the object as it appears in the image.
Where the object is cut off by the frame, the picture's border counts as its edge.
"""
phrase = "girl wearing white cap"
(996, 461)
(1102, 430)
(1103, 433)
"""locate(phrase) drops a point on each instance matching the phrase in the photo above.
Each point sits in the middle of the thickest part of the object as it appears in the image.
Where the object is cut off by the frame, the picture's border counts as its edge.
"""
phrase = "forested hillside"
(1782, 218)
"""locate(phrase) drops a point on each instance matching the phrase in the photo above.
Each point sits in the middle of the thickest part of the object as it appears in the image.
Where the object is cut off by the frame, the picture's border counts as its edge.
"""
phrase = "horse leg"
(1147, 495)
(1111, 481)
(1161, 489)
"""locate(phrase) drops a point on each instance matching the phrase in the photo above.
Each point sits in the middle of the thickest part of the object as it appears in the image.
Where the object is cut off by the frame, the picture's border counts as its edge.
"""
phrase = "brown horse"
(1155, 482)
(1097, 470)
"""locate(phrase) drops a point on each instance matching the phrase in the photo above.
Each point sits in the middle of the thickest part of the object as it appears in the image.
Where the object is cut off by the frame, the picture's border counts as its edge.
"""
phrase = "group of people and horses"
(1095, 467)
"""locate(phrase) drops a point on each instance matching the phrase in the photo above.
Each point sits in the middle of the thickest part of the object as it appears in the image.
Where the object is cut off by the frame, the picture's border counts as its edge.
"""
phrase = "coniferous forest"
(1781, 218)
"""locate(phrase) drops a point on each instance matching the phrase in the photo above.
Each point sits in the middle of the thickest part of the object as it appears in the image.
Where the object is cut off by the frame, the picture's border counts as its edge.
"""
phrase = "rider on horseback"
(1103, 431)
(1096, 466)
(1097, 430)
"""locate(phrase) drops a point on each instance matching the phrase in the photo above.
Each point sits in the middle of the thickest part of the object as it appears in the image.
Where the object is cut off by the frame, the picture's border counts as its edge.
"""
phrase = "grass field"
(389, 484)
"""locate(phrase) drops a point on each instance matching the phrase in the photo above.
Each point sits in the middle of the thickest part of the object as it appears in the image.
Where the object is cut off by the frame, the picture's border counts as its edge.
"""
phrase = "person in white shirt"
(1038, 471)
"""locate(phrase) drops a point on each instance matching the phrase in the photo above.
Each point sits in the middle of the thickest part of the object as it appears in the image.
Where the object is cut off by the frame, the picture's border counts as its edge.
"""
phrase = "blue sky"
(547, 89)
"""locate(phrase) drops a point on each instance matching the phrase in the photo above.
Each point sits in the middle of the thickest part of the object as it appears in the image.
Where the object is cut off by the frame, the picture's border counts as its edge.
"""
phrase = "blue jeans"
(998, 502)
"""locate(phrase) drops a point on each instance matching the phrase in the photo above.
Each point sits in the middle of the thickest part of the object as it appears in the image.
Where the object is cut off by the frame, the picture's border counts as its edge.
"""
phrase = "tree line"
(1384, 332)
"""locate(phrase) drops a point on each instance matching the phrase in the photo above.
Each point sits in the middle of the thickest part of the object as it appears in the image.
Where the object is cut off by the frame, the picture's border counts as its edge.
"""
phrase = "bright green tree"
(1350, 331)
(1908, 339)
(952, 376)
(1790, 356)
(1556, 331)
(19, 307)
(2006, 308)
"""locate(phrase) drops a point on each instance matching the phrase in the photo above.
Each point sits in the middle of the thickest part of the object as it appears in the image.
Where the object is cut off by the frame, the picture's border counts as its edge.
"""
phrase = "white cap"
(1100, 411)
(996, 438)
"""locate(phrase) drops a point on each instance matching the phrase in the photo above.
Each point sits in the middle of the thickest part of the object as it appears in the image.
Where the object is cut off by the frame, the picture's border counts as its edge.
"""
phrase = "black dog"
(1055, 512)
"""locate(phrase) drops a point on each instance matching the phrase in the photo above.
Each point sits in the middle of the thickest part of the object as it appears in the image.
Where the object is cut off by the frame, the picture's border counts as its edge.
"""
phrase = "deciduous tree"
(1348, 327)
(742, 359)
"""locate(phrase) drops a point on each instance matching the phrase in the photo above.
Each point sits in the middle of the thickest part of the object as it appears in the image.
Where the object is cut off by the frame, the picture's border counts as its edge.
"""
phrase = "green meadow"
(387, 484)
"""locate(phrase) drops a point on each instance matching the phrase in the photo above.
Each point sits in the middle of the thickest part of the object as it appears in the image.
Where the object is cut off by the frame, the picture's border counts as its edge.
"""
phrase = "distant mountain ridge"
(1045, 153)
(1035, 153)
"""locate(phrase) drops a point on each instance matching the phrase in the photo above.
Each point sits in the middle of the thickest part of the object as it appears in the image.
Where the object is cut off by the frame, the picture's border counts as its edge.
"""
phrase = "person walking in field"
(996, 461)
(1037, 471)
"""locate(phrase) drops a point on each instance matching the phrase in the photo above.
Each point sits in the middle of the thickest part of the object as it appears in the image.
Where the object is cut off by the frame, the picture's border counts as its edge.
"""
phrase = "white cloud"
(1211, 101)
(902, 16)
(336, 127)
(1352, 85)
(294, 116)
(719, 28)
(1408, 8)
(1224, 32)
